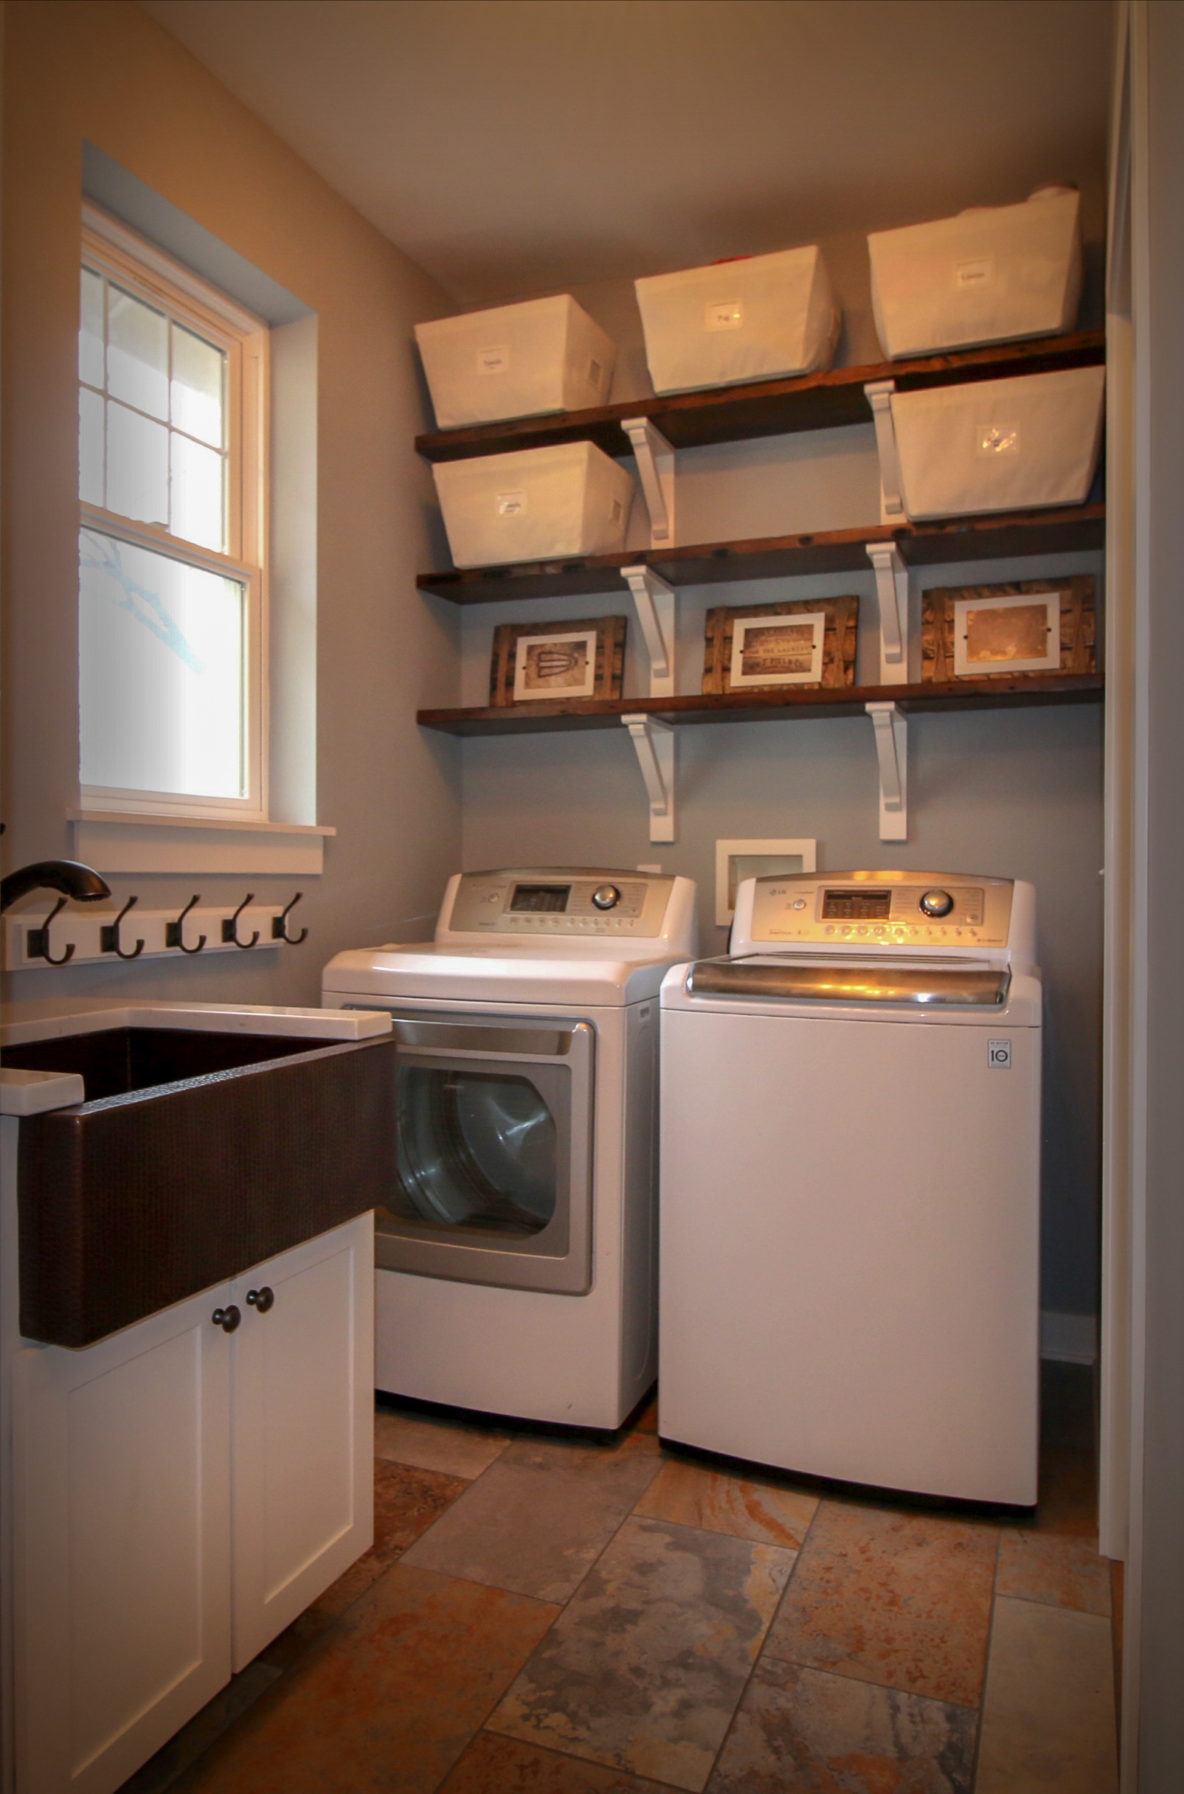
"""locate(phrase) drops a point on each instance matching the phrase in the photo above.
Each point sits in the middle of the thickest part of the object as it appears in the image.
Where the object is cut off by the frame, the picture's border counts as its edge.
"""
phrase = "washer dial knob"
(936, 903)
(606, 897)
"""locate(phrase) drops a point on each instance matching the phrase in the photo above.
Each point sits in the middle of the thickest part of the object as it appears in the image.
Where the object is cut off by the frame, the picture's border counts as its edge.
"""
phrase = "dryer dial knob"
(936, 903)
(606, 897)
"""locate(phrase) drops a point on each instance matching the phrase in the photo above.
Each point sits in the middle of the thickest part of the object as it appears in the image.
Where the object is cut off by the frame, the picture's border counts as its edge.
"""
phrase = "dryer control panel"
(541, 904)
(921, 911)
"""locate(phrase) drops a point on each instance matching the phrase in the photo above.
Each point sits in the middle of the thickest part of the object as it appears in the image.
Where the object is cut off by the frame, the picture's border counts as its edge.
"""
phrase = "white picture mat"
(736, 860)
(815, 620)
(1049, 661)
(524, 693)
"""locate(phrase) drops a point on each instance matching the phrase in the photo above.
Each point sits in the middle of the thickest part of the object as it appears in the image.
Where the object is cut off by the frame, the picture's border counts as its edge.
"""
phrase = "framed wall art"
(543, 663)
(773, 647)
(1030, 626)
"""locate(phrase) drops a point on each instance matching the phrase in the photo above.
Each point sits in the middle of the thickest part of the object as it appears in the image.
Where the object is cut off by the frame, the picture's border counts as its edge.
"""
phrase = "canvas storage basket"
(759, 318)
(999, 445)
(534, 505)
(985, 276)
(515, 361)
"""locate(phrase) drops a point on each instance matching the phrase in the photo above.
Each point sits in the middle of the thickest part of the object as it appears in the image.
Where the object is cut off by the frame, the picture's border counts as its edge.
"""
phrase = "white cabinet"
(182, 1493)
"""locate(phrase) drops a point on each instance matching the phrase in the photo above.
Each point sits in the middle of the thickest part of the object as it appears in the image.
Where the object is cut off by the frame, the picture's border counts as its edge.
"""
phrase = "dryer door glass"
(494, 1148)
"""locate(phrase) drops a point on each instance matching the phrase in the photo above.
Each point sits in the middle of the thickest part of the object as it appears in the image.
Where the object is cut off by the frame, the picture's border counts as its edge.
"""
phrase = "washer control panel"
(541, 904)
(881, 909)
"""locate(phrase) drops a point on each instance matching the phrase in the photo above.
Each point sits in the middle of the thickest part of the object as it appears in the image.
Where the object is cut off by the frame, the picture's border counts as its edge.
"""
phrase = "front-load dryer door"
(494, 1141)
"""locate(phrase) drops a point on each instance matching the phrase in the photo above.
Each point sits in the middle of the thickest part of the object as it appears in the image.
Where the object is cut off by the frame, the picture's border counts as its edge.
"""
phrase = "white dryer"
(517, 1255)
(851, 1184)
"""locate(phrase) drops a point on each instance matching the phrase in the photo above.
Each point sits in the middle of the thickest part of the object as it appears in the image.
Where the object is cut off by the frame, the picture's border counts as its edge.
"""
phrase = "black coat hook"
(38, 940)
(109, 935)
(230, 924)
(174, 932)
(279, 924)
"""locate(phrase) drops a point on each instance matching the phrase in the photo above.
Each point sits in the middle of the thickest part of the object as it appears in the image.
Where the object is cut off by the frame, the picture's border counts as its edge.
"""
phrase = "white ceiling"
(512, 147)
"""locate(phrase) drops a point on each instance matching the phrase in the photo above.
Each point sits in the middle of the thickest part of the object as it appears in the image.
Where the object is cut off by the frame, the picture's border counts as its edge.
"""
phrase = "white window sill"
(112, 841)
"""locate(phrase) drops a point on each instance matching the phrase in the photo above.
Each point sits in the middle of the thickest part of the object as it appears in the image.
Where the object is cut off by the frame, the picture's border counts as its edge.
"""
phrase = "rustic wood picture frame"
(1077, 634)
(841, 618)
(593, 667)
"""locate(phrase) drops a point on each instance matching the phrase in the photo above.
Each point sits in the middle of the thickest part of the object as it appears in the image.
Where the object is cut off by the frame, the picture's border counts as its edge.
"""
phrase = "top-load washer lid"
(850, 980)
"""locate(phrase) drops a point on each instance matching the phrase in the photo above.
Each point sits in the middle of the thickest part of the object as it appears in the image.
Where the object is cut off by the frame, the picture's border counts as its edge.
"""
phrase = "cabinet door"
(303, 1428)
(122, 1568)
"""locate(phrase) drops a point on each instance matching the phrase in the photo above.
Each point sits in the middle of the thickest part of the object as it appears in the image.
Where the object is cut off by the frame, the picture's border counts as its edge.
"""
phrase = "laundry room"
(491, 889)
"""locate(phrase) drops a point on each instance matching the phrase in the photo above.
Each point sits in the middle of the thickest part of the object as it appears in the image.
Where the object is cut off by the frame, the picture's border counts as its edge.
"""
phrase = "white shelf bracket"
(654, 742)
(891, 734)
(655, 602)
(655, 464)
(879, 397)
(892, 595)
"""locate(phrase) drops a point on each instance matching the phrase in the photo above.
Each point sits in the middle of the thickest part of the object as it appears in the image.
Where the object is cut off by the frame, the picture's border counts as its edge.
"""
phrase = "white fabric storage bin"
(985, 276)
(999, 445)
(534, 505)
(515, 361)
(759, 318)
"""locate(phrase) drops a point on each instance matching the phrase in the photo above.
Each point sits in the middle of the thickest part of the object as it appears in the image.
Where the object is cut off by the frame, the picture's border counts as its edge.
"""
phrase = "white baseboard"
(1069, 1338)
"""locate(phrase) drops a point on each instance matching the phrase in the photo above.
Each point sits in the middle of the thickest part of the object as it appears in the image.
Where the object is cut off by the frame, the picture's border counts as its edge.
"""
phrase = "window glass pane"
(137, 353)
(137, 466)
(90, 447)
(196, 493)
(162, 689)
(198, 386)
(90, 335)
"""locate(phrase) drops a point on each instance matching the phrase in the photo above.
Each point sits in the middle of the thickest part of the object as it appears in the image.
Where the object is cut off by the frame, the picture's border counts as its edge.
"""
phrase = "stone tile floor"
(569, 1614)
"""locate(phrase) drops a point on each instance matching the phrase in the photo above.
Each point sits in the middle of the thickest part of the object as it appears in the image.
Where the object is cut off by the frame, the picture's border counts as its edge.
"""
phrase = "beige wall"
(103, 72)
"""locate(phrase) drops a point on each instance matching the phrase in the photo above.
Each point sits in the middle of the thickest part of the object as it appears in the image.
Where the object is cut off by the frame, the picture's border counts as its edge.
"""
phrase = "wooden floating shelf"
(1073, 530)
(1000, 692)
(824, 401)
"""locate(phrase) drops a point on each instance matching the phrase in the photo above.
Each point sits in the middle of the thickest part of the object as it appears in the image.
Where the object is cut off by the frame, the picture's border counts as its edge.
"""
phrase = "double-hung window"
(172, 574)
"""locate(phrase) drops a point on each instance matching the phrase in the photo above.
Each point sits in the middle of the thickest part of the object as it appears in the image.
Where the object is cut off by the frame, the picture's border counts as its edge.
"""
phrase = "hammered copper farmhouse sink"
(195, 1155)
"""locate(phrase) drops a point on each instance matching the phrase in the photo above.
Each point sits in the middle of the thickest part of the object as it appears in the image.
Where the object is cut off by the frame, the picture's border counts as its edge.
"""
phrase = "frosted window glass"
(163, 659)
(90, 447)
(199, 373)
(197, 493)
(90, 336)
(137, 466)
(137, 353)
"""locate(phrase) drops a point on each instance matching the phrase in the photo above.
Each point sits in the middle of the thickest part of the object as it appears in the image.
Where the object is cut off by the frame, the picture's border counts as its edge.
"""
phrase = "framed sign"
(737, 860)
(534, 663)
(770, 647)
(1031, 626)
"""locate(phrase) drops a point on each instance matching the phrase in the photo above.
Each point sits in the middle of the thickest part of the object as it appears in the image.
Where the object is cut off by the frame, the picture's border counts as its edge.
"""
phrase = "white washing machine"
(850, 1192)
(517, 1256)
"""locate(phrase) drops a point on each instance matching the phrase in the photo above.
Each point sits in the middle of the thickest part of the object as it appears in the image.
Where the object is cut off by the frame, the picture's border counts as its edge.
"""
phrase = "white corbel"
(879, 397)
(891, 735)
(654, 600)
(892, 595)
(655, 464)
(654, 742)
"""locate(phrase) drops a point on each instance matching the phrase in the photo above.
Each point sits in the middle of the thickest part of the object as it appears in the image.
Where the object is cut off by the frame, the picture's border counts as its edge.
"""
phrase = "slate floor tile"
(538, 1518)
(647, 1664)
(406, 1502)
(1061, 1571)
(746, 1507)
(893, 1597)
(802, 1731)
(494, 1765)
(459, 1447)
(391, 1703)
(1048, 1709)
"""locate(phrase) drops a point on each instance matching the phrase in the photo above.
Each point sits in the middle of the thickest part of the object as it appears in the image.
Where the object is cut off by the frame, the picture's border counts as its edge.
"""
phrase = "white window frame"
(111, 249)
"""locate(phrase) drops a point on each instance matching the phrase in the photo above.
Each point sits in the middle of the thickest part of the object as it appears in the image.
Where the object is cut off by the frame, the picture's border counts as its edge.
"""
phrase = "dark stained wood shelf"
(1070, 530)
(1003, 691)
(823, 401)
